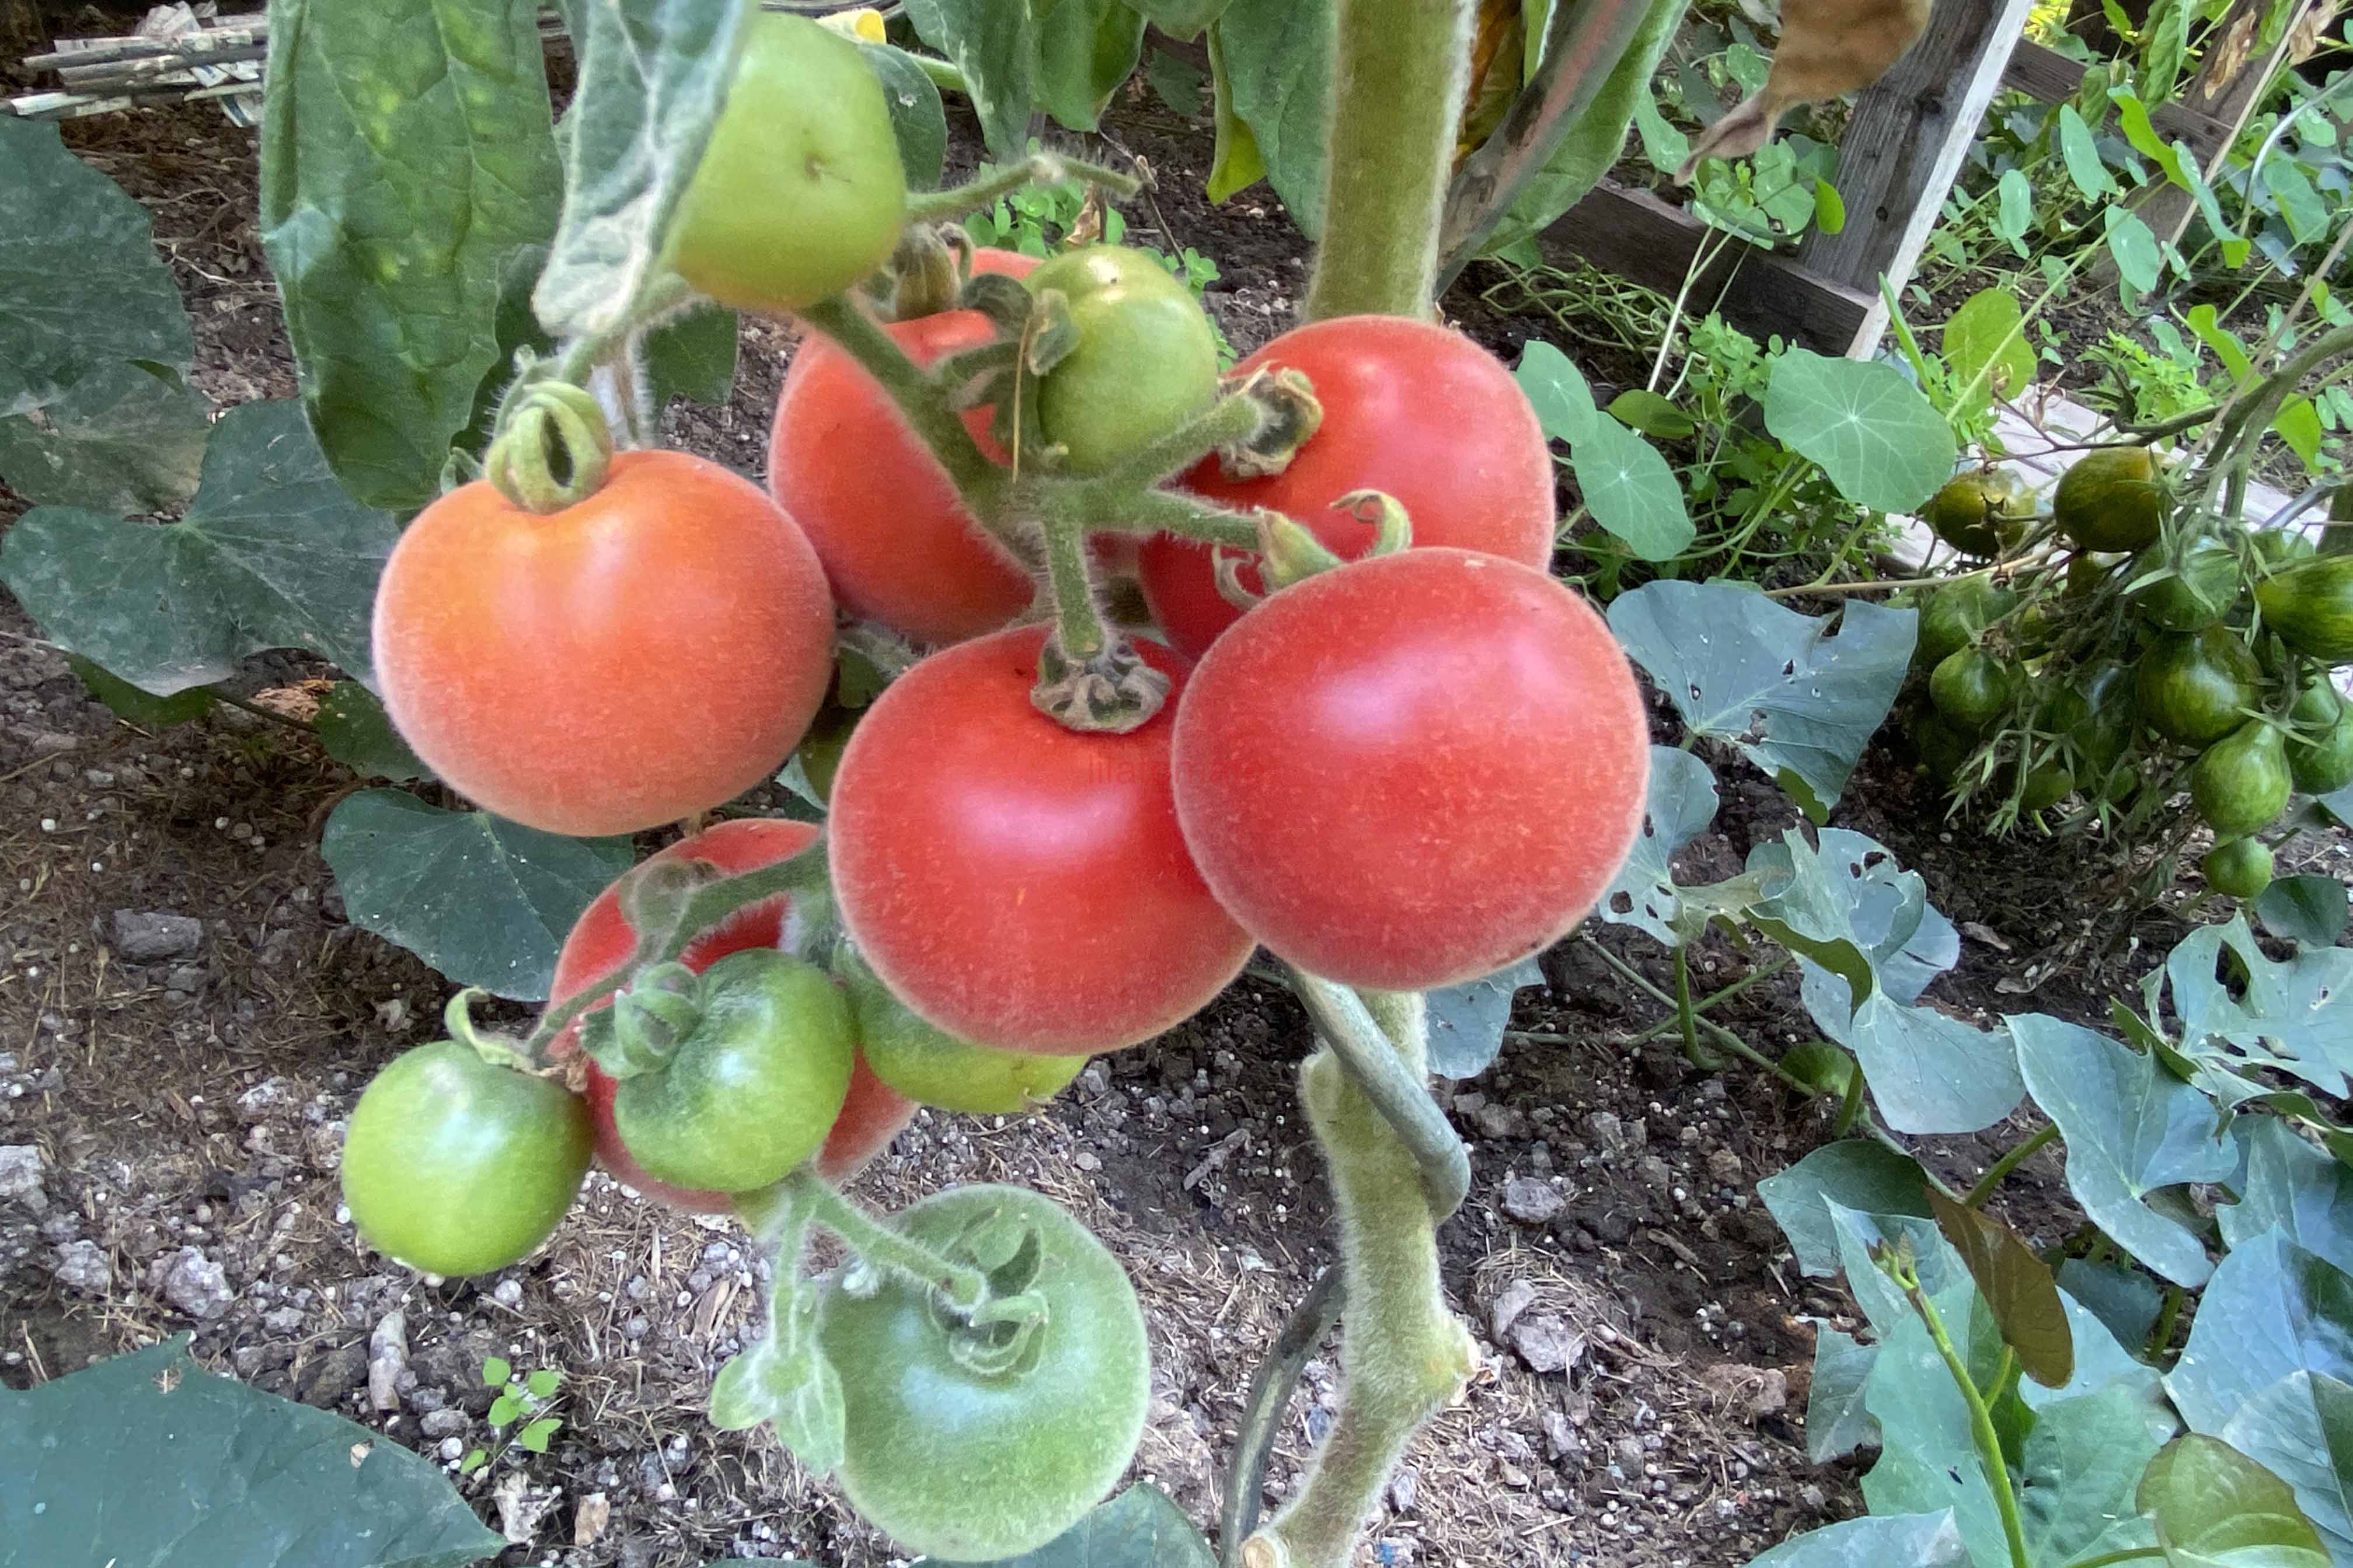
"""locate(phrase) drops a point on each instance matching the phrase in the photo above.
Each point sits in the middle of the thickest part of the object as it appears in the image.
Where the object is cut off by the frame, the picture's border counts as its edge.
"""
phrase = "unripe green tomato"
(2310, 605)
(2239, 869)
(971, 1466)
(800, 193)
(457, 1166)
(2239, 784)
(2121, 784)
(2047, 785)
(1952, 616)
(2087, 570)
(2110, 721)
(934, 1067)
(1944, 745)
(2192, 687)
(2113, 499)
(1970, 689)
(1144, 363)
(2203, 587)
(1973, 512)
(2323, 764)
(752, 1088)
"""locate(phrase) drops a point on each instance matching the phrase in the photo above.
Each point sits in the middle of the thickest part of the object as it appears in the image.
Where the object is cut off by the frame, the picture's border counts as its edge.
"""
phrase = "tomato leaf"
(272, 553)
(1236, 162)
(1086, 49)
(126, 437)
(147, 1460)
(1467, 1021)
(1924, 1540)
(653, 78)
(1876, 434)
(692, 356)
(485, 901)
(798, 1391)
(2132, 1129)
(1275, 63)
(917, 117)
(1681, 804)
(2214, 1503)
(1140, 1527)
(406, 156)
(996, 48)
(358, 733)
(2018, 1287)
(1854, 1174)
(81, 288)
(1180, 20)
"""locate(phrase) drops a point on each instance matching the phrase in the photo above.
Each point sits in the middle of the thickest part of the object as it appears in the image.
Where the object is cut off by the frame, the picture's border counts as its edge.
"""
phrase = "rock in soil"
(194, 1283)
(1532, 1201)
(155, 936)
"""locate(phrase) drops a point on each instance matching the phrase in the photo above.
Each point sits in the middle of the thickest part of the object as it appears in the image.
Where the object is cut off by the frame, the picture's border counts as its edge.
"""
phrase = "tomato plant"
(935, 1069)
(648, 652)
(899, 545)
(458, 1165)
(806, 132)
(1017, 884)
(1145, 360)
(970, 1443)
(1412, 410)
(1348, 722)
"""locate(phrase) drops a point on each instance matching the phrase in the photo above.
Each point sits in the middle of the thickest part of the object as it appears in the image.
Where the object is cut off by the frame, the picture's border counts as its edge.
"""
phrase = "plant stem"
(1038, 169)
(1078, 619)
(1406, 1355)
(2160, 1335)
(1270, 1393)
(2130, 1554)
(921, 399)
(1167, 512)
(1850, 1104)
(2024, 1149)
(1716, 998)
(882, 1248)
(1988, 1443)
(1398, 1088)
(1687, 1017)
(1397, 81)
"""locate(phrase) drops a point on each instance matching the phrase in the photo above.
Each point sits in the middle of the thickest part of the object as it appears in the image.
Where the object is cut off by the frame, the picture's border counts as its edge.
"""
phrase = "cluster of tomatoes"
(1401, 773)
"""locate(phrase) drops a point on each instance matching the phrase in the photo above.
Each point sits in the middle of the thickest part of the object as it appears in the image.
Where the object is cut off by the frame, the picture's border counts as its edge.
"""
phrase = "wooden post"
(1905, 147)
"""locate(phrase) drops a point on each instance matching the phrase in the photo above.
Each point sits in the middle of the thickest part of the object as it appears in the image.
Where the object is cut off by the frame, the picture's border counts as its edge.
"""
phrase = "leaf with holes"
(147, 1460)
(485, 901)
(1467, 1021)
(272, 553)
(1681, 804)
(2132, 1129)
(2016, 1285)
(1877, 435)
(1797, 701)
(1846, 905)
(2295, 1014)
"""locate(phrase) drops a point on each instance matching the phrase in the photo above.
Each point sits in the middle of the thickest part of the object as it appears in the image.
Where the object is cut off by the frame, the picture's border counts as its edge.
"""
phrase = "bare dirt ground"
(187, 1017)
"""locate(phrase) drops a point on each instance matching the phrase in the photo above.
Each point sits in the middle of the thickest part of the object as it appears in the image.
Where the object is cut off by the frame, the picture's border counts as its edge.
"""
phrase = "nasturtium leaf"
(2272, 1309)
(2293, 1188)
(81, 286)
(358, 733)
(485, 901)
(2301, 1430)
(2295, 1014)
(147, 1460)
(1467, 1021)
(1557, 391)
(996, 48)
(142, 708)
(2016, 1285)
(2310, 911)
(917, 116)
(272, 553)
(1276, 62)
(692, 356)
(2216, 1508)
(1876, 434)
(654, 77)
(2131, 1129)
(1086, 49)
(1837, 1424)
(406, 156)
(1641, 409)
(1855, 1173)
(1985, 342)
(1876, 1540)
(1797, 701)
(1140, 1527)
(124, 438)
(1631, 491)
(1681, 804)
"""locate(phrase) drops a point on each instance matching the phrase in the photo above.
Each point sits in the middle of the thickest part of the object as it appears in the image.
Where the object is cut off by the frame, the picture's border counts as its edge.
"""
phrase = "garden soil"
(187, 1017)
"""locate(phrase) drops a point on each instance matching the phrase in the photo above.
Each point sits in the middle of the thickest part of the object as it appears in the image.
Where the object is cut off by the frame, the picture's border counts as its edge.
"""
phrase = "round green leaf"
(1877, 436)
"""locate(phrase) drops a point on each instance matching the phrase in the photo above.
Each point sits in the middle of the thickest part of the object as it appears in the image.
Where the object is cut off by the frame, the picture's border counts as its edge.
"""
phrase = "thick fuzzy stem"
(1397, 100)
(1038, 169)
(1405, 1355)
(921, 399)
(1384, 1057)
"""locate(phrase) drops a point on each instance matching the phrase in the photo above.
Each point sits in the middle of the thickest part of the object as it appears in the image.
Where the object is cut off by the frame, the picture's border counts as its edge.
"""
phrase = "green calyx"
(553, 448)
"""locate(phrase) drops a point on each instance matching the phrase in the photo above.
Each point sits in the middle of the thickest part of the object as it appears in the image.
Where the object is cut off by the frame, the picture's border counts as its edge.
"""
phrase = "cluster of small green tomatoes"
(2164, 641)
(1394, 767)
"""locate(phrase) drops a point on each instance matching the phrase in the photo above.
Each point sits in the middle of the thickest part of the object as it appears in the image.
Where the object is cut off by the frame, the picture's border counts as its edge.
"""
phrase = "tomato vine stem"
(1270, 1394)
(1398, 1088)
(1003, 180)
(965, 1288)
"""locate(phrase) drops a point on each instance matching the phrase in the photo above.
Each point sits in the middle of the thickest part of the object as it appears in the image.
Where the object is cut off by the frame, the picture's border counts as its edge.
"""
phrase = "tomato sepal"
(1109, 692)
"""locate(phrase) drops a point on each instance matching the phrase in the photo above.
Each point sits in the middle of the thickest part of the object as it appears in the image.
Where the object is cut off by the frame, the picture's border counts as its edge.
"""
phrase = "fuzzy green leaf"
(124, 438)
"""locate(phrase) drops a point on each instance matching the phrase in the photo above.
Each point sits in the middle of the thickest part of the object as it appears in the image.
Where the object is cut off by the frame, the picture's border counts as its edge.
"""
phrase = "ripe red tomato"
(1411, 409)
(601, 941)
(897, 544)
(1017, 884)
(652, 652)
(1414, 770)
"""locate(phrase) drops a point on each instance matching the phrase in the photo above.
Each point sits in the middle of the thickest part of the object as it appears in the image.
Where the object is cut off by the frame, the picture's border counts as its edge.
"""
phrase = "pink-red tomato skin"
(601, 941)
(647, 654)
(1015, 883)
(898, 545)
(1412, 771)
(1411, 409)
